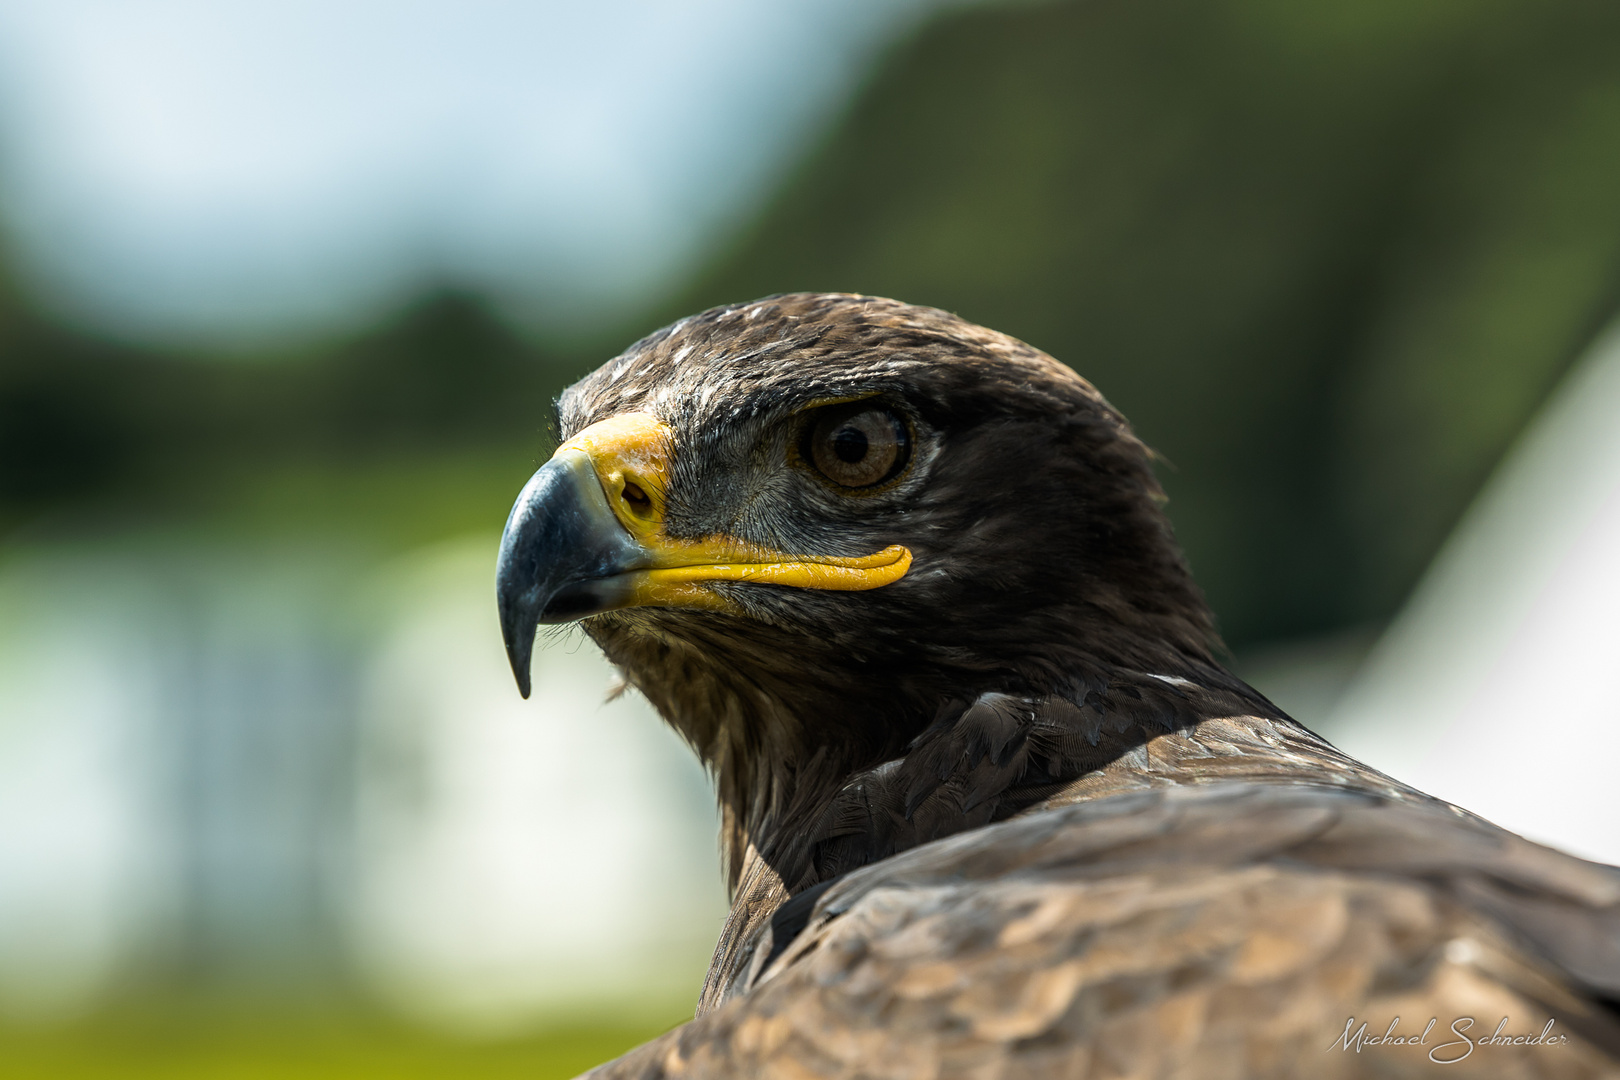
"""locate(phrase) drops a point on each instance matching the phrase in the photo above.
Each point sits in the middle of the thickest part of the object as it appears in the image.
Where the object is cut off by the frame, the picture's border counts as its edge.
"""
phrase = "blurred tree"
(395, 424)
(59, 439)
(1328, 257)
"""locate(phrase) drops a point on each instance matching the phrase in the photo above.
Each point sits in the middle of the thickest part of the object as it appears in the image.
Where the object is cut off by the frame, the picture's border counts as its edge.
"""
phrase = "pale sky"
(189, 170)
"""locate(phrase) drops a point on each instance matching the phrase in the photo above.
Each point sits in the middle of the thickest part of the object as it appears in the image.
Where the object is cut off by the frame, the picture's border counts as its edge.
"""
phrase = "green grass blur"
(165, 1039)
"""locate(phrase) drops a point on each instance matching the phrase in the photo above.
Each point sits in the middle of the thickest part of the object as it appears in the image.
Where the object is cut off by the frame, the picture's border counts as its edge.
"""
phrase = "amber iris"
(858, 445)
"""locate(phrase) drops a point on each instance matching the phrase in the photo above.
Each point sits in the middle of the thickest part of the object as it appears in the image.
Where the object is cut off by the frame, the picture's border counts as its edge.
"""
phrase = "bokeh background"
(287, 290)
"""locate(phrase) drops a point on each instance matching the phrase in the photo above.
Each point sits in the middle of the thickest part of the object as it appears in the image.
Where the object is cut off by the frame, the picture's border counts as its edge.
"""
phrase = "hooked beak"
(586, 535)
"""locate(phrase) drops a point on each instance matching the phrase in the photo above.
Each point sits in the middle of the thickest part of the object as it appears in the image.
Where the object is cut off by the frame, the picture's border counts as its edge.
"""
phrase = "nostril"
(640, 504)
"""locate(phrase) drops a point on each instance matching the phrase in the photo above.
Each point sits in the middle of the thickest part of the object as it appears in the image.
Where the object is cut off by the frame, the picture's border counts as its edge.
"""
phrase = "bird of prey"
(991, 805)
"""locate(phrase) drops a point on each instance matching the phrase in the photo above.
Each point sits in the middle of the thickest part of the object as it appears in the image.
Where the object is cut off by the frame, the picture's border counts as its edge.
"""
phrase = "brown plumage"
(1006, 814)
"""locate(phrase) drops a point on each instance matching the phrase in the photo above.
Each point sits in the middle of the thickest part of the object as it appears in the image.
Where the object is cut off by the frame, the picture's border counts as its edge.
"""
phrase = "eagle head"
(804, 525)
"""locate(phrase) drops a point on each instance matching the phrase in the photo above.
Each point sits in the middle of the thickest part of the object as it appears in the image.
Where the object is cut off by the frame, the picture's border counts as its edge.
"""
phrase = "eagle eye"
(857, 445)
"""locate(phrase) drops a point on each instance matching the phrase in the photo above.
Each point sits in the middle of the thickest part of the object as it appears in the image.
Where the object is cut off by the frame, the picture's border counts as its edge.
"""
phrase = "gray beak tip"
(517, 628)
(560, 552)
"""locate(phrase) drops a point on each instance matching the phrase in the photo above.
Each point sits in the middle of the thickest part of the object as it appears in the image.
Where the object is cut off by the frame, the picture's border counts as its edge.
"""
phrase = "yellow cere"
(631, 448)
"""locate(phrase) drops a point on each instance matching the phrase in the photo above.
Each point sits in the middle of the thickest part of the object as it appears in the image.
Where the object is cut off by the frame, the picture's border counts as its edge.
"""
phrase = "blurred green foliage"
(1328, 257)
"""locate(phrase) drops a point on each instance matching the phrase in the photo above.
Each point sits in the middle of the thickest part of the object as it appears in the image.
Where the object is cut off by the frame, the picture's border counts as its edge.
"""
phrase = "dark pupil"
(849, 444)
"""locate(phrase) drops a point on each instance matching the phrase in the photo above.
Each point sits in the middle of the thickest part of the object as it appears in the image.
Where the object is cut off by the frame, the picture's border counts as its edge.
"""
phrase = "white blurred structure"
(78, 794)
(246, 762)
(521, 858)
(174, 747)
(1498, 685)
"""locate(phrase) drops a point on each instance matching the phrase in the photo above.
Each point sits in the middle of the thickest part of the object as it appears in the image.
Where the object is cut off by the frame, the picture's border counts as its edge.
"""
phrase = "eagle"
(991, 805)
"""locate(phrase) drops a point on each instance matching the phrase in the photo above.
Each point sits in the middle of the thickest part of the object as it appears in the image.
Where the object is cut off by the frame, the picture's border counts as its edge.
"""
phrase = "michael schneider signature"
(1450, 1051)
